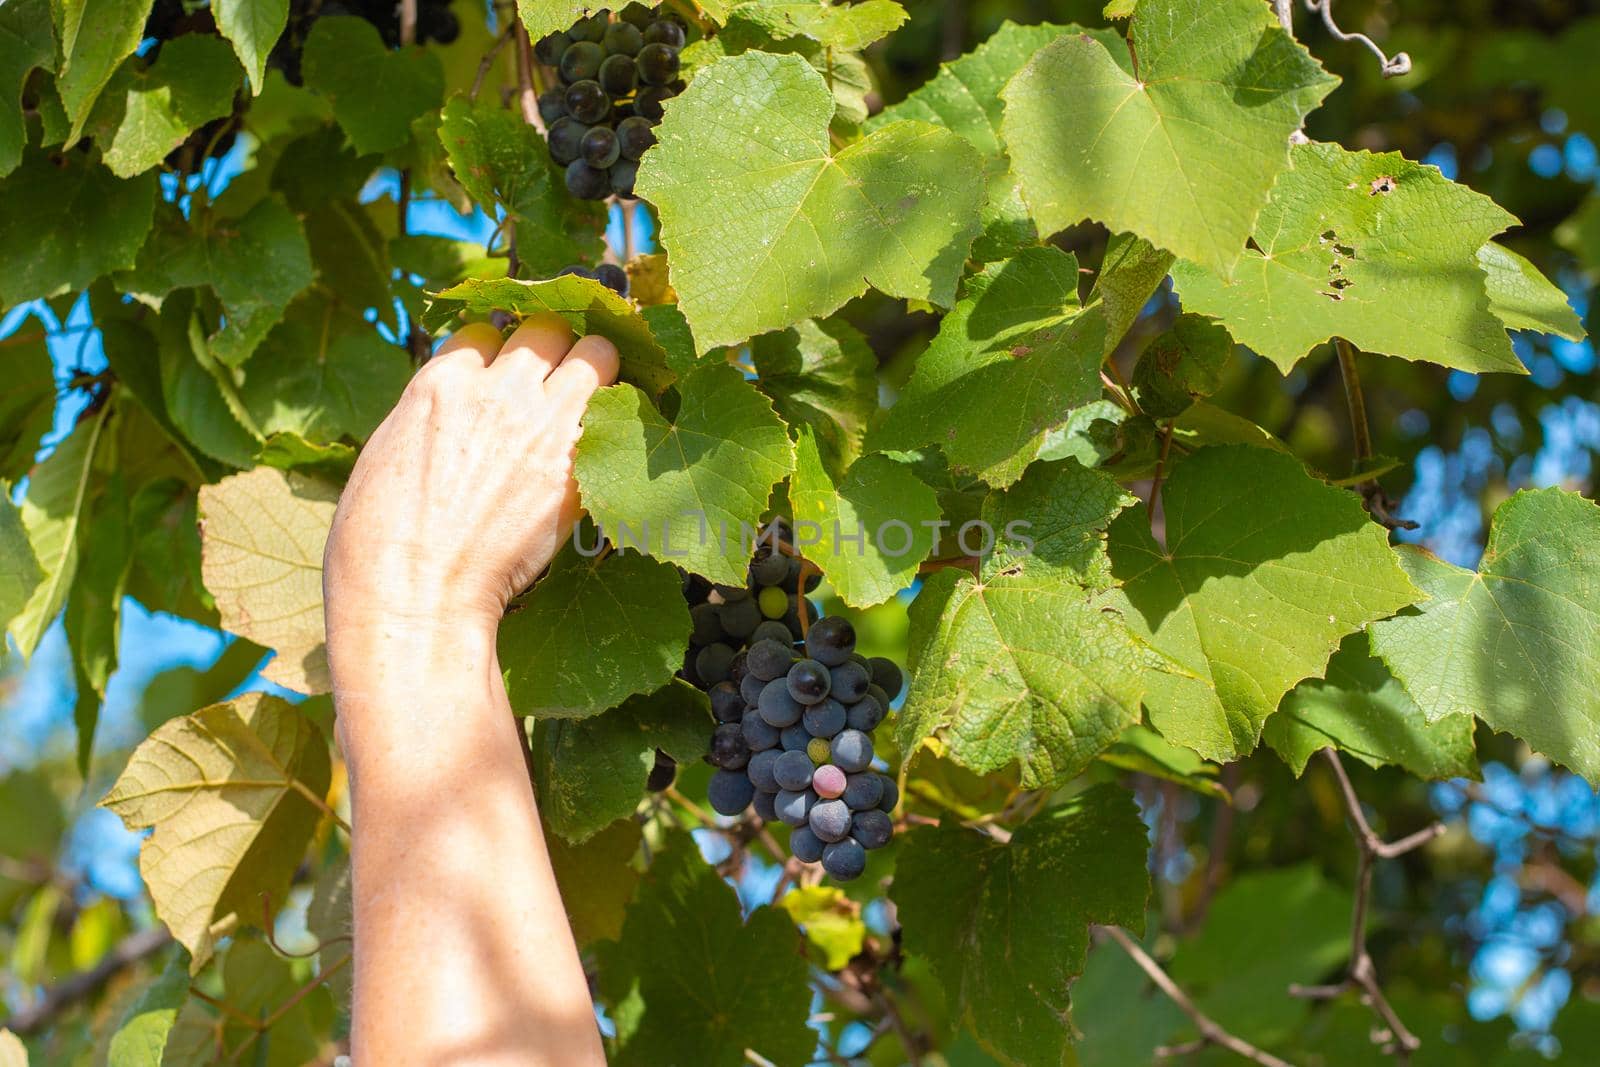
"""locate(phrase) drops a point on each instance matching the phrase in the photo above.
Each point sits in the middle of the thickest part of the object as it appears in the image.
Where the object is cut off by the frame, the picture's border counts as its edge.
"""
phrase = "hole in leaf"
(1382, 184)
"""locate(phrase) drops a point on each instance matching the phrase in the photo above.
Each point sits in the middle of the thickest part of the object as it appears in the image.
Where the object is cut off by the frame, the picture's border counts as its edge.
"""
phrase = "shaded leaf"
(1181, 366)
(597, 879)
(822, 375)
(192, 81)
(28, 402)
(27, 41)
(375, 92)
(95, 37)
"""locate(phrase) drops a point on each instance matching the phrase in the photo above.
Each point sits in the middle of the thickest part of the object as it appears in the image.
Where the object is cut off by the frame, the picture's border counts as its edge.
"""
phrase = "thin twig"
(289, 1005)
(1210, 1031)
(320, 802)
(1161, 469)
(486, 64)
(1394, 66)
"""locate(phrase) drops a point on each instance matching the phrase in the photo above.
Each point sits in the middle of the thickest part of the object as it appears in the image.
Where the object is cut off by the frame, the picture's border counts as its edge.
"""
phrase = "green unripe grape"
(819, 750)
(773, 601)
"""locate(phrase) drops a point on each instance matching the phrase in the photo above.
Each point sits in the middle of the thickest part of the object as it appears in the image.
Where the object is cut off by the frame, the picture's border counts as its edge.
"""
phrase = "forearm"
(463, 953)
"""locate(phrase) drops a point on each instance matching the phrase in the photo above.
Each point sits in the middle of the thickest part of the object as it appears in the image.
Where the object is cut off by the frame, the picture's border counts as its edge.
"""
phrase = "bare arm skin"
(463, 954)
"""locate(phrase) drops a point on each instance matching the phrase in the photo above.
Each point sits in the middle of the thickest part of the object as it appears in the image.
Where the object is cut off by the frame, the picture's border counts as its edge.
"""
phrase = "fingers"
(472, 346)
(534, 350)
(593, 362)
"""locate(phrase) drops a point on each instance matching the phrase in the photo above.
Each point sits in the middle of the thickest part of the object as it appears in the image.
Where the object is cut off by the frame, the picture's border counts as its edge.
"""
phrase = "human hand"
(465, 492)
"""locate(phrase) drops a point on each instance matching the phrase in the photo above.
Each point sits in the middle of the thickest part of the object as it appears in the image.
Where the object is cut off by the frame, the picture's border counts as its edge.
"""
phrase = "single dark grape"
(618, 76)
(792, 618)
(599, 150)
(849, 681)
(623, 39)
(578, 270)
(750, 687)
(872, 828)
(795, 738)
(687, 673)
(549, 50)
(793, 770)
(647, 104)
(728, 748)
(637, 135)
(615, 278)
(808, 681)
(592, 28)
(730, 593)
(770, 659)
(552, 106)
(830, 819)
(875, 691)
(707, 623)
(760, 769)
(736, 669)
(863, 791)
(666, 32)
(730, 792)
(713, 661)
(831, 640)
(852, 750)
(806, 846)
(565, 137)
(726, 703)
(772, 630)
(623, 174)
(777, 705)
(824, 718)
(763, 804)
(829, 782)
(844, 860)
(887, 674)
(587, 102)
(771, 568)
(658, 64)
(794, 806)
(865, 714)
(741, 617)
(581, 62)
(891, 794)
(759, 734)
(662, 774)
(813, 576)
(695, 588)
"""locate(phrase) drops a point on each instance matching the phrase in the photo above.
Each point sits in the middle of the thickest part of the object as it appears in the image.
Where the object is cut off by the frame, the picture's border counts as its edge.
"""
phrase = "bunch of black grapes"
(435, 22)
(614, 77)
(795, 714)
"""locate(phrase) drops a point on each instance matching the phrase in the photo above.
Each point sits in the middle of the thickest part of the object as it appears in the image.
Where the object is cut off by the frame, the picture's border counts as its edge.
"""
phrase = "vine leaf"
(832, 925)
(252, 27)
(1010, 362)
(1022, 668)
(547, 16)
(150, 111)
(1063, 509)
(880, 501)
(586, 304)
(1524, 299)
(1517, 642)
(592, 633)
(597, 879)
(375, 93)
(822, 375)
(30, 43)
(1153, 137)
(1352, 244)
(689, 490)
(499, 159)
(261, 539)
(227, 792)
(95, 37)
(689, 982)
(1130, 272)
(140, 1038)
(964, 97)
(21, 575)
(765, 227)
(846, 27)
(592, 772)
(1265, 570)
(1008, 965)
(68, 220)
(28, 403)
(1359, 708)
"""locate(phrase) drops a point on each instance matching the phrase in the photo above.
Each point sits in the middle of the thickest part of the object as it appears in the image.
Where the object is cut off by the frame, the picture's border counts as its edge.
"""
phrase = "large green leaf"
(589, 306)
(140, 1039)
(1265, 570)
(28, 402)
(95, 37)
(1062, 509)
(375, 92)
(1516, 643)
(964, 97)
(591, 773)
(1009, 363)
(228, 792)
(597, 879)
(1524, 299)
(27, 40)
(592, 633)
(1176, 136)
(689, 490)
(871, 531)
(67, 221)
(1359, 708)
(255, 263)
(261, 536)
(822, 375)
(1006, 926)
(192, 81)
(253, 27)
(765, 226)
(53, 514)
(499, 158)
(1022, 668)
(689, 983)
(1375, 249)
(848, 27)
